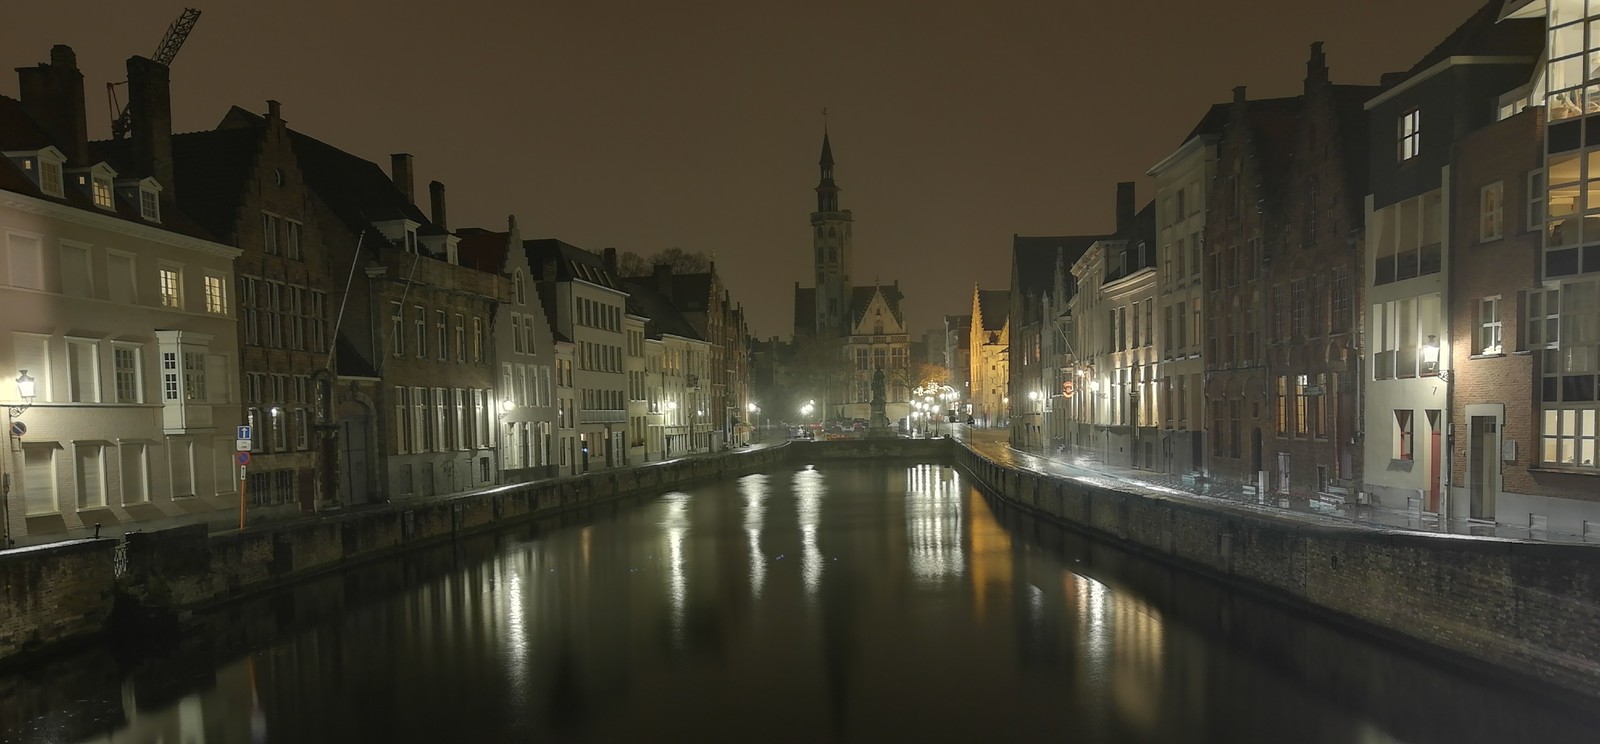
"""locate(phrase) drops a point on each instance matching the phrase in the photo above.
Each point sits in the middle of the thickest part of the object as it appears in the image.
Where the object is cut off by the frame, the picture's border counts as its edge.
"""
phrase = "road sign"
(243, 458)
(241, 445)
(18, 428)
(244, 433)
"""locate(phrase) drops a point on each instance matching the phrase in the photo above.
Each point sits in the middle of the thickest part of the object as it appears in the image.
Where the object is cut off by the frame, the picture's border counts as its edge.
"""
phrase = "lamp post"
(754, 411)
(25, 393)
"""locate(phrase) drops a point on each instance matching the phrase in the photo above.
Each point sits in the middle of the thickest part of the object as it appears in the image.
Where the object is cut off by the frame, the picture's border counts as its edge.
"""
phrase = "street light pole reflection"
(754, 488)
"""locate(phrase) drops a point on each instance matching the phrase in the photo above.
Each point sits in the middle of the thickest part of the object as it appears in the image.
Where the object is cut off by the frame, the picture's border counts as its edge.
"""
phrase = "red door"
(1433, 472)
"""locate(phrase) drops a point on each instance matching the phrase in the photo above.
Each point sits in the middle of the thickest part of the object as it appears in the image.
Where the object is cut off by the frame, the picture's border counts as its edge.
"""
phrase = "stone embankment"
(1486, 604)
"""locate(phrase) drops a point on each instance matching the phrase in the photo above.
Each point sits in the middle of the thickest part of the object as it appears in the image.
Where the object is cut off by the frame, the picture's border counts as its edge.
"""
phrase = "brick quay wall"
(1480, 604)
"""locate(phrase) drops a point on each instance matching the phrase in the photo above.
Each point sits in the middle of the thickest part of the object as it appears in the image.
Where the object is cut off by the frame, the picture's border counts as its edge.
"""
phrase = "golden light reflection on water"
(933, 523)
(809, 488)
(754, 489)
(991, 553)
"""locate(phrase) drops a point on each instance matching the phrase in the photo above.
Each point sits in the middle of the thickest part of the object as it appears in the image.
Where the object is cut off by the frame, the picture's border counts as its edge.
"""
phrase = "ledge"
(1487, 356)
(1566, 471)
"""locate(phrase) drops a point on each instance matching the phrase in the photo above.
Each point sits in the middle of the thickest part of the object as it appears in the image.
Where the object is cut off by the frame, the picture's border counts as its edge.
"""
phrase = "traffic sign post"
(243, 458)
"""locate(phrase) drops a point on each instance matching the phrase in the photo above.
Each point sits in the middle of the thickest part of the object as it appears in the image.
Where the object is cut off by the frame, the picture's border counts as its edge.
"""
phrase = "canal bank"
(1530, 609)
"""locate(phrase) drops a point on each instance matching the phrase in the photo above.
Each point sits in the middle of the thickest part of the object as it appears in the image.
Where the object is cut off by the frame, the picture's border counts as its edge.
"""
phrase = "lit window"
(171, 288)
(1489, 211)
(1410, 132)
(102, 193)
(216, 295)
(1489, 325)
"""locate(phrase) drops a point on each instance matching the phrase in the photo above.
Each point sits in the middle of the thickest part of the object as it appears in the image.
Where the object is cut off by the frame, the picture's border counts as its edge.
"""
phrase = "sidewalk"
(994, 444)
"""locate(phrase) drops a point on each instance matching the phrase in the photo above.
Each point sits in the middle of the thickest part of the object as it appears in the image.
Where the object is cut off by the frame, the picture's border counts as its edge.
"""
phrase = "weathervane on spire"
(824, 119)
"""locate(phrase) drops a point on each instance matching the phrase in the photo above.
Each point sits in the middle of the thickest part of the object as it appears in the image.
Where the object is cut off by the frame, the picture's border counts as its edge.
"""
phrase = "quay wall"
(1485, 604)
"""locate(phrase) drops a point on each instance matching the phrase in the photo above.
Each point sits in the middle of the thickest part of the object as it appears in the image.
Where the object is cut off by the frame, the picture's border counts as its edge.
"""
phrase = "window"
(194, 376)
(182, 463)
(169, 375)
(461, 338)
(120, 283)
(517, 284)
(421, 322)
(77, 274)
(269, 233)
(149, 205)
(216, 295)
(1297, 308)
(1283, 406)
(516, 332)
(397, 318)
(443, 333)
(301, 430)
(125, 366)
(83, 371)
(1543, 318)
(91, 475)
(291, 239)
(39, 478)
(25, 260)
(1489, 211)
(1410, 134)
(171, 287)
(1340, 300)
(1302, 407)
(102, 193)
(50, 176)
(1568, 436)
(135, 474)
(1489, 325)
(477, 340)
(1403, 445)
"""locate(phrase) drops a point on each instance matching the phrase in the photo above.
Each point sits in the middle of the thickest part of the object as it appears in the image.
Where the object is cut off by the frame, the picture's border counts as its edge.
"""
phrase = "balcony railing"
(1428, 259)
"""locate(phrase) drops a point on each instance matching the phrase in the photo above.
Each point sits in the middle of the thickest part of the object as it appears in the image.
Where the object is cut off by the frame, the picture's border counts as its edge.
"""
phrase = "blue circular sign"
(18, 428)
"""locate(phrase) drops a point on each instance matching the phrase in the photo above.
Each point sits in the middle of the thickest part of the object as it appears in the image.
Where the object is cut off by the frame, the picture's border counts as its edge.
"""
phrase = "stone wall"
(54, 593)
(1529, 608)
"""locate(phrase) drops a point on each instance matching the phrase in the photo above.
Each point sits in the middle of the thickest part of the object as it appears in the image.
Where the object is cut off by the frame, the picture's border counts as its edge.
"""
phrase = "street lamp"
(25, 392)
(506, 405)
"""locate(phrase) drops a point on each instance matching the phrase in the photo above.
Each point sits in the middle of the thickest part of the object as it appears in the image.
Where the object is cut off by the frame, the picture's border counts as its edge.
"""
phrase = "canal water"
(882, 602)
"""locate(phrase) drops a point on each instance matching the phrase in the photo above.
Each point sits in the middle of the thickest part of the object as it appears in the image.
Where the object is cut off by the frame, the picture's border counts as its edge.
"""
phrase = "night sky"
(697, 124)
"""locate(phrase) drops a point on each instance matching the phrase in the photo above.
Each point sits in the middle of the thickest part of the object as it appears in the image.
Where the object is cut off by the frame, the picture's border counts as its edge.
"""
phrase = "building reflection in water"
(991, 555)
(754, 489)
(934, 523)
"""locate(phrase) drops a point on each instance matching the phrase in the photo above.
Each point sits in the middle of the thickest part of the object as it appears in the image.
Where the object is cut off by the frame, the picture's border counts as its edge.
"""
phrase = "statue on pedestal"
(878, 425)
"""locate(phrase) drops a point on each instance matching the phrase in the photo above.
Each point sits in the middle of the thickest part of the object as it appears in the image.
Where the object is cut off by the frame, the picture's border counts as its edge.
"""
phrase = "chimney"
(53, 95)
(663, 275)
(609, 258)
(150, 116)
(1317, 65)
(436, 196)
(1238, 94)
(400, 173)
(274, 111)
(1125, 210)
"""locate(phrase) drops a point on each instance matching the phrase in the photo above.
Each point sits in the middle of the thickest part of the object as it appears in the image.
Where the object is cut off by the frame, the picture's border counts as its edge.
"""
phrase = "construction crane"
(176, 34)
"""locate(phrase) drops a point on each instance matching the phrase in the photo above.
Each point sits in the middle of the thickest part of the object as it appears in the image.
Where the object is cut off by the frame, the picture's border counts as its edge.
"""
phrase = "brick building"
(244, 181)
(1312, 343)
(1243, 216)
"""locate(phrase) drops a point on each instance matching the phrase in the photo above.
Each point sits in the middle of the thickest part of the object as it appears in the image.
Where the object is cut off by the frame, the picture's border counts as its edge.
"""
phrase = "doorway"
(1283, 472)
(353, 459)
(1485, 467)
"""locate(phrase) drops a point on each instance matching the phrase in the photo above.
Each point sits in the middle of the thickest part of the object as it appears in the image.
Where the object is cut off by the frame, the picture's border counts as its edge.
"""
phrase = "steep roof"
(1212, 123)
(19, 131)
(994, 305)
(692, 292)
(861, 299)
(571, 263)
(1034, 259)
(1483, 34)
(213, 169)
(662, 317)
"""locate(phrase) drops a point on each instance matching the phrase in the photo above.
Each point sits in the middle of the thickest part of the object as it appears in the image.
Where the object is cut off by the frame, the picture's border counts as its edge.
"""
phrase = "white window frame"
(137, 372)
(1490, 326)
(149, 203)
(52, 178)
(171, 296)
(1536, 199)
(420, 320)
(1409, 135)
(100, 192)
(97, 454)
(1491, 212)
(216, 293)
(92, 392)
(143, 454)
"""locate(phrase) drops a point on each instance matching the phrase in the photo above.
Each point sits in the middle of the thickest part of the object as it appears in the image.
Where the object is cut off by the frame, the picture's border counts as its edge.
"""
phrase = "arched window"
(516, 282)
(832, 233)
(833, 254)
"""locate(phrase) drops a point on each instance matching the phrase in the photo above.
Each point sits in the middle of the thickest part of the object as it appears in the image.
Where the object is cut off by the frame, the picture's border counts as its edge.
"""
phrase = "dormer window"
(49, 176)
(149, 203)
(411, 241)
(102, 193)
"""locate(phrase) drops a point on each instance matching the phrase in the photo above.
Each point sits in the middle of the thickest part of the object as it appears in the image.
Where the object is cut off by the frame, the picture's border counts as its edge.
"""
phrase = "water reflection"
(847, 603)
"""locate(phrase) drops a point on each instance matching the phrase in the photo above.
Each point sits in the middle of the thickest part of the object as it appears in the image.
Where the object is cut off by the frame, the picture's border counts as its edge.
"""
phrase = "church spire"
(827, 190)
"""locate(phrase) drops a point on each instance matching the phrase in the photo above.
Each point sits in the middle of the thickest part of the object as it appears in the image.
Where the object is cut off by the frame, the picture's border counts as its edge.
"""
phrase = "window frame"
(1491, 212)
(1408, 135)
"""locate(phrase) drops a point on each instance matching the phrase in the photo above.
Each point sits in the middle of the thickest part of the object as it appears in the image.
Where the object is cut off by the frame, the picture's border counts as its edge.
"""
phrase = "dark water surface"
(846, 603)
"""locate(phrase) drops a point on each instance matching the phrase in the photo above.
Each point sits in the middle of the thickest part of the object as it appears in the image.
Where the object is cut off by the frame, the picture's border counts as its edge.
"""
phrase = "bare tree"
(681, 261)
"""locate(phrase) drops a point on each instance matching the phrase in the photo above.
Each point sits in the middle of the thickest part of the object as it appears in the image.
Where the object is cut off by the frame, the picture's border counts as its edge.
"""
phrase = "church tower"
(830, 229)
